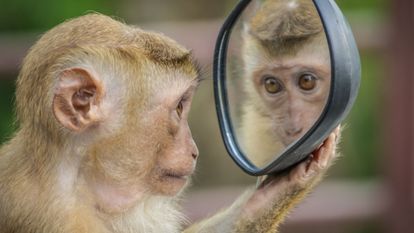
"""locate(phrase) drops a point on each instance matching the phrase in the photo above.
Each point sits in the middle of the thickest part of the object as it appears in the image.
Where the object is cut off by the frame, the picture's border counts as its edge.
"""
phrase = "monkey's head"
(118, 98)
(287, 69)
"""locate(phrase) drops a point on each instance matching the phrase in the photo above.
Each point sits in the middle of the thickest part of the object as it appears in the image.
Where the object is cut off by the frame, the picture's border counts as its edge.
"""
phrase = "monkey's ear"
(77, 99)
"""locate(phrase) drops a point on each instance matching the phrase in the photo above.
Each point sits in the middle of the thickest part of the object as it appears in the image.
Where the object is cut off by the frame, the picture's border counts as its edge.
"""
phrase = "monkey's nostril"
(194, 156)
(294, 131)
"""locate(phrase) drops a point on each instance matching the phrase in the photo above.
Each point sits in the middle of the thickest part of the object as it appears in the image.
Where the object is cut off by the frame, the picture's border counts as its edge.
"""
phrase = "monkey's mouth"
(289, 139)
(177, 175)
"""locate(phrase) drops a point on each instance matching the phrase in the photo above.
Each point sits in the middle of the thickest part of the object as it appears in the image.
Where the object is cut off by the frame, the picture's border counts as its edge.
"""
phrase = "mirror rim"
(345, 81)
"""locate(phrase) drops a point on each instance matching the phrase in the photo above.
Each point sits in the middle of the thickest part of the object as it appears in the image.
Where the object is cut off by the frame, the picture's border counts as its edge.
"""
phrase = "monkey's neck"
(45, 158)
(33, 157)
(41, 173)
(43, 163)
(153, 214)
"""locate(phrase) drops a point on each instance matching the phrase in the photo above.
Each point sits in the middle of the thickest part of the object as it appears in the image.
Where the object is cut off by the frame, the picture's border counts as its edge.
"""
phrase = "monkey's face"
(120, 98)
(154, 151)
(176, 153)
(292, 93)
(133, 131)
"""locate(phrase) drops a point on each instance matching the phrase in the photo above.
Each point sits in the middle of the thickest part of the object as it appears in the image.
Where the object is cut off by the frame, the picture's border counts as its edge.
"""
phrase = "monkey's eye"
(307, 82)
(272, 85)
(179, 108)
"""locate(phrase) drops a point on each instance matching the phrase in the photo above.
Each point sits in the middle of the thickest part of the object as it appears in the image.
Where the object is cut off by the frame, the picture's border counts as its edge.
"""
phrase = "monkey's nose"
(194, 150)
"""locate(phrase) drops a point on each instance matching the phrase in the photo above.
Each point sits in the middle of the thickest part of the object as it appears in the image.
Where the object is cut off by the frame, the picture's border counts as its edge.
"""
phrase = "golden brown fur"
(59, 179)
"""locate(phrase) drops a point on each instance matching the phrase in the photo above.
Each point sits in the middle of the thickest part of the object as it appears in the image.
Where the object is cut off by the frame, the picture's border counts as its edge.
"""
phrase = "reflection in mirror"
(278, 78)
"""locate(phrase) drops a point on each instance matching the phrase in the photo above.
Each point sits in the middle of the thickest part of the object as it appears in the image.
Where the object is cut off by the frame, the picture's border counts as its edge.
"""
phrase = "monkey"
(103, 144)
(286, 76)
(103, 135)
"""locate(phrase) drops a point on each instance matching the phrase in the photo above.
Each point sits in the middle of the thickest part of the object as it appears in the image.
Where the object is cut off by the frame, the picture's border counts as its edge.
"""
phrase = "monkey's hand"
(276, 195)
(264, 208)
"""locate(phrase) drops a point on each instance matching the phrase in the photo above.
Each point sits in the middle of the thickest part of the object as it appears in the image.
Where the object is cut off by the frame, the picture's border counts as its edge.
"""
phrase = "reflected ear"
(77, 99)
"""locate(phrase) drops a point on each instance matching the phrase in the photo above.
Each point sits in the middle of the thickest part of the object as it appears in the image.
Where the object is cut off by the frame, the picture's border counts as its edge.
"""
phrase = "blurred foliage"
(361, 144)
(362, 136)
(162, 10)
(6, 110)
(366, 5)
(20, 15)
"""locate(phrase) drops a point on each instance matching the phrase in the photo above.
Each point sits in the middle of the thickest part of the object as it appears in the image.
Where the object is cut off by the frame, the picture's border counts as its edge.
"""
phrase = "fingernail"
(324, 163)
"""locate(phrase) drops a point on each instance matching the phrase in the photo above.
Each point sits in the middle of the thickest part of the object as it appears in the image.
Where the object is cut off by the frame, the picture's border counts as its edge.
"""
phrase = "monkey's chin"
(177, 181)
(171, 185)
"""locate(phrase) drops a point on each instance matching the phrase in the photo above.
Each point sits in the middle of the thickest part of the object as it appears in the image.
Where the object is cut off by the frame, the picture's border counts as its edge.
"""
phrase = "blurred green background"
(22, 21)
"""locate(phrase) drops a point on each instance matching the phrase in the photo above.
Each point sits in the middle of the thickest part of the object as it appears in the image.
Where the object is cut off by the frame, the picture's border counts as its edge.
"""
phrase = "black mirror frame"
(346, 73)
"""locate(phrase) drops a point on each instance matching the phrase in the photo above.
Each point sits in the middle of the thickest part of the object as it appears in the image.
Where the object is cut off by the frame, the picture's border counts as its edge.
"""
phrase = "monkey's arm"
(264, 208)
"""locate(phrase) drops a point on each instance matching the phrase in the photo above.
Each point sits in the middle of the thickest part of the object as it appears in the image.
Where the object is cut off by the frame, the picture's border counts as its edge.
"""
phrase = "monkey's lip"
(286, 141)
(177, 175)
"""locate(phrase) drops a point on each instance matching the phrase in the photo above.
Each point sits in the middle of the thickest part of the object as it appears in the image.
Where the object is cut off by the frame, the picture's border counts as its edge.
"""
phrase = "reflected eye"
(179, 108)
(307, 82)
(272, 85)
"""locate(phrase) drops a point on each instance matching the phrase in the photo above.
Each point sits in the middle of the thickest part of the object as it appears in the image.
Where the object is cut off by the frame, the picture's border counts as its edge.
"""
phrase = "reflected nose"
(293, 131)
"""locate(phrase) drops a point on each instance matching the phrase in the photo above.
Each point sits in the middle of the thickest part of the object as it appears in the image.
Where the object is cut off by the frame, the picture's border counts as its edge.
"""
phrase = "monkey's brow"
(195, 83)
(199, 78)
(201, 71)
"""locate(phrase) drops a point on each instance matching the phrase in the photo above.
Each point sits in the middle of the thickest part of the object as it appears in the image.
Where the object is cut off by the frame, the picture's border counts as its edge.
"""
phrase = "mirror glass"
(278, 76)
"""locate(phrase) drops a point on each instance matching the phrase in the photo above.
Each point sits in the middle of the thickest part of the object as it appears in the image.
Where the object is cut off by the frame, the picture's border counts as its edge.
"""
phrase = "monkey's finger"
(300, 174)
(324, 154)
(337, 133)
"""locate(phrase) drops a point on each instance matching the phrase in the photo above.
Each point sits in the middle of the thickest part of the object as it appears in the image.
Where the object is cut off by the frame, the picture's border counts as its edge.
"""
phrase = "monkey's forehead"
(285, 20)
(103, 31)
(171, 75)
(164, 87)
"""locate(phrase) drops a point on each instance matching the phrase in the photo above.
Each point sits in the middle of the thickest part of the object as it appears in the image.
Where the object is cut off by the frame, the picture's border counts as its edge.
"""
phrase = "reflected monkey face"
(280, 77)
(292, 91)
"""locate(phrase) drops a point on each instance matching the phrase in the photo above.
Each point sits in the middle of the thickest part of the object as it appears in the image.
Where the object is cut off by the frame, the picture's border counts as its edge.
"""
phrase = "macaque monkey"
(103, 144)
(286, 71)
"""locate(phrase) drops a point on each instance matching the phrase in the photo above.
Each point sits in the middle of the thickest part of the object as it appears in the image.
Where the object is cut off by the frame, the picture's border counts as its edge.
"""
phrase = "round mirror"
(286, 74)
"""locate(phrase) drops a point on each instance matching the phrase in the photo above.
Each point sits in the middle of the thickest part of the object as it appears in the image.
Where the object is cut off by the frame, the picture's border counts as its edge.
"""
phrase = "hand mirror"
(286, 73)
